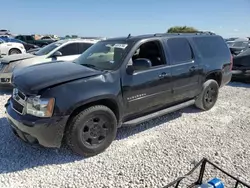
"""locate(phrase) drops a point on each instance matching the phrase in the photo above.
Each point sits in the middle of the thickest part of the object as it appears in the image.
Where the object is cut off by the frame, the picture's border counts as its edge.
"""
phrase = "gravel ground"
(149, 155)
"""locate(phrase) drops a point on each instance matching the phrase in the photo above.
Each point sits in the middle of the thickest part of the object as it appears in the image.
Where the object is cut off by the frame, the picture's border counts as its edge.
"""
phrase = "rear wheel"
(14, 51)
(209, 95)
(92, 130)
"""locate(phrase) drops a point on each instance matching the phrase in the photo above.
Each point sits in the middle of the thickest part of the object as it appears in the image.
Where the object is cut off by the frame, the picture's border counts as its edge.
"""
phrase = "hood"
(34, 78)
(16, 57)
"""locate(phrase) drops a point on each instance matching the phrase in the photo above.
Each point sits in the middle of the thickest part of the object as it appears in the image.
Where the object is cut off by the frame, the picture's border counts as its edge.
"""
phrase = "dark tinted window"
(180, 50)
(20, 38)
(211, 46)
(29, 37)
(69, 49)
(84, 46)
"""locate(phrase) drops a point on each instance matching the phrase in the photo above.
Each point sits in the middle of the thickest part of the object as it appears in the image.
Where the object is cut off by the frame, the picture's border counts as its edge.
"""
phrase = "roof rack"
(94, 38)
(196, 33)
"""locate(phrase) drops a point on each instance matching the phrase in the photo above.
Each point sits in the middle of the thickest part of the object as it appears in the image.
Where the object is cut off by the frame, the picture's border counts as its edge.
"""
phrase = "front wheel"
(92, 130)
(208, 96)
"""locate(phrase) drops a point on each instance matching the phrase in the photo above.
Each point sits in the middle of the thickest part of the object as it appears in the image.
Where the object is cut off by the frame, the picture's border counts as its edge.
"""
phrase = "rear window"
(211, 46)
(180, 50)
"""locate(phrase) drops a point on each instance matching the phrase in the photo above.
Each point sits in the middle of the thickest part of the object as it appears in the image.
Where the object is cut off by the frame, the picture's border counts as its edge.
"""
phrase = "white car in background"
(10, 48)
(62, 50)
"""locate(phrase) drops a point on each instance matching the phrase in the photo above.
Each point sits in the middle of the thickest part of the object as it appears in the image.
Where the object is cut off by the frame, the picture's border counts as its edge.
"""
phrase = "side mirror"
(139, 64)
(57, 53)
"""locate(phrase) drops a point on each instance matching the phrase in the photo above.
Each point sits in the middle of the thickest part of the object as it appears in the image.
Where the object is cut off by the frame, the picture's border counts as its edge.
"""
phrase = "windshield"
(104, 55)
(47, 49)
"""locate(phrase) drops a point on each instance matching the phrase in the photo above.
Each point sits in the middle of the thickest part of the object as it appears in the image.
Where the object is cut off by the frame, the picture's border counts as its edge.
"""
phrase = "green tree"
(182, 29)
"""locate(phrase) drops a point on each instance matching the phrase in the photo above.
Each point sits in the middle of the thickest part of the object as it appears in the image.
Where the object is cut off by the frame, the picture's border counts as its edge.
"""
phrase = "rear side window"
(69, 49)
(211, 46)
(29, 38)
(180, 50)
(83, 47)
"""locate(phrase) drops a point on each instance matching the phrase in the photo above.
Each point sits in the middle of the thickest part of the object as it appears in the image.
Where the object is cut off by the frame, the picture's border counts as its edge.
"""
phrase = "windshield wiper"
(90, 65)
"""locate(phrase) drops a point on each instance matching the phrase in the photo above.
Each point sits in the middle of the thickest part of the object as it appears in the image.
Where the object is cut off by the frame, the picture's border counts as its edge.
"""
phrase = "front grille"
(18, 101)
(21, 95)
(17, 107)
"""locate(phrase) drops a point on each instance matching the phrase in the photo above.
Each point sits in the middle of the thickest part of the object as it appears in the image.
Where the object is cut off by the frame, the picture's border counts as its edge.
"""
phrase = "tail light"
(231, 62)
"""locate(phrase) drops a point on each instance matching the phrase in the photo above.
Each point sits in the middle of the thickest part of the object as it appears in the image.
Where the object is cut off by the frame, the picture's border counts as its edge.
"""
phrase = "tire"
(92, 125)
(208, 96)
(14, 51)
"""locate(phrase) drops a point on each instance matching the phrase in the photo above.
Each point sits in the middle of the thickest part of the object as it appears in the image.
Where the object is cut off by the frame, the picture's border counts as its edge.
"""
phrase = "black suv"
(116, 82)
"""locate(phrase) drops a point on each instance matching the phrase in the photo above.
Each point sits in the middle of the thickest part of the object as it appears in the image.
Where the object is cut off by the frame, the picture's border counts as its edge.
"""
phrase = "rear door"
(184, 69)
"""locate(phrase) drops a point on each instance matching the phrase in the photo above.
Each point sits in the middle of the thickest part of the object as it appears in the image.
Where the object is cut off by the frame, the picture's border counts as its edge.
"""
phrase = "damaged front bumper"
(48, 132)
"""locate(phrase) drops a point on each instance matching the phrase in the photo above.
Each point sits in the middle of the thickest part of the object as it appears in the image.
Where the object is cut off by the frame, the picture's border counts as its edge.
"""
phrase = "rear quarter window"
(180, 50)
(211, 46)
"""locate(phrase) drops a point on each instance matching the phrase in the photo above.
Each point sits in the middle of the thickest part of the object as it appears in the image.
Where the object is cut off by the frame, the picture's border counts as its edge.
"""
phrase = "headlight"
(40, 107)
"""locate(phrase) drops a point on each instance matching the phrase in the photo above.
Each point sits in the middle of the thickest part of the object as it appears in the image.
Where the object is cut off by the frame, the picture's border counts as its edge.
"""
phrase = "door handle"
(163, 75)
(192, 68)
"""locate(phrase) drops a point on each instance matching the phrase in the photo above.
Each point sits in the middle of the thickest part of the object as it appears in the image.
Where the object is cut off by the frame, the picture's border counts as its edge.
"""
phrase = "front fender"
(69, 96)
(86, 101)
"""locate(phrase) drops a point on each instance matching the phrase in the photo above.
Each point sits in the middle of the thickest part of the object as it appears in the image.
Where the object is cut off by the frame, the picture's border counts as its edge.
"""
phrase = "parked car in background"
(47, 38)
(64, 50)
(27, 46)
(30, 39)
(117, 82)
(241, 66)
(10, 48)
(236, 47)
(5, 32)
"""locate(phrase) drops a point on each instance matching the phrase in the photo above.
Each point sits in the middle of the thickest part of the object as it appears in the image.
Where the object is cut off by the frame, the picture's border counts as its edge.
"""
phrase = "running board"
(158, 113)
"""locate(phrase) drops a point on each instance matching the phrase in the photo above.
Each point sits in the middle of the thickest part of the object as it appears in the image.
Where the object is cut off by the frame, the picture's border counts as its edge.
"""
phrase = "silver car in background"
(62, 50)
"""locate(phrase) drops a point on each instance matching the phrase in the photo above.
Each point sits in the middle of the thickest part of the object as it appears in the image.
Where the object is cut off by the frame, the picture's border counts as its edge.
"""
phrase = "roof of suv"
(157, 35)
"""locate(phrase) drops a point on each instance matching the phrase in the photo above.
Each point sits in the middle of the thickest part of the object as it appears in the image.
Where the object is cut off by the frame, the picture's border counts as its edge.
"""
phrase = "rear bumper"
(226, 78)
(47, 132)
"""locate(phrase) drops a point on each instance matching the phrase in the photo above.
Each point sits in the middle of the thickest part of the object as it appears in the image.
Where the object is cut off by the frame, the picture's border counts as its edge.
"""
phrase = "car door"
(147, 90)
(69, 52)
(184, 68)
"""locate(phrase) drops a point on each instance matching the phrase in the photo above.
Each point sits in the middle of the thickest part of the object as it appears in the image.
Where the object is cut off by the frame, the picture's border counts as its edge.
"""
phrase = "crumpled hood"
(34, 78)
(16, 57)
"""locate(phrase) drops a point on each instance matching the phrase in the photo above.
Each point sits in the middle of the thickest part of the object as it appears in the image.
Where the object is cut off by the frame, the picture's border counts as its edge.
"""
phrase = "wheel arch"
(109, 101)
(14, 48)
(106, 101)
(215, 75)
